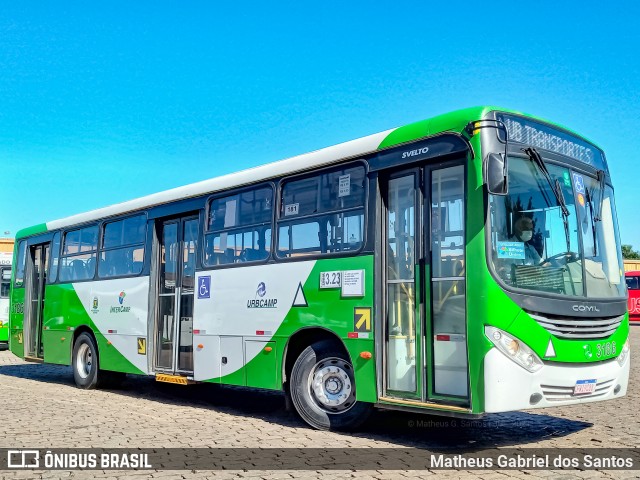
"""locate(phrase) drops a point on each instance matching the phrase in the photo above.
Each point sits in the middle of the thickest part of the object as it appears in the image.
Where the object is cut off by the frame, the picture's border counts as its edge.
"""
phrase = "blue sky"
(101, 103)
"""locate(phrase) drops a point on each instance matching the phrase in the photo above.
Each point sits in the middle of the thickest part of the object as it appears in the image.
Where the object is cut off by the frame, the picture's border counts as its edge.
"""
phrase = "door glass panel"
(402, 337)
(401, 228)
(169, 258)
(401, 306)
(447, 222)
(448, 292)
(34, 312)
(449, 338)
(39, 257)
(185, 341)
(185, 355)
(164, 345)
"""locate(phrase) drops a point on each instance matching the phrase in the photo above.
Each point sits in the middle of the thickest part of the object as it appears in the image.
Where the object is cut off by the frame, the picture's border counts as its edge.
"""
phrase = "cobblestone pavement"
(43, 409)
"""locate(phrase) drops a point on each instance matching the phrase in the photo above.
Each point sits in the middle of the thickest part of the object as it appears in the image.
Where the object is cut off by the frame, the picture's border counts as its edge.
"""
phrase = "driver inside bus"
(523, 233)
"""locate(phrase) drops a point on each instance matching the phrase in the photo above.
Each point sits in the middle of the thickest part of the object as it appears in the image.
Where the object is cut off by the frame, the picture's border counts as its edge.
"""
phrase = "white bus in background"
(5, 284)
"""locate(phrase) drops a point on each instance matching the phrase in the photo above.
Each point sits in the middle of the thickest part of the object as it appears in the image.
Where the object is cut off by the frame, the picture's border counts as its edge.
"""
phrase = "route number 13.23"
(330, 279)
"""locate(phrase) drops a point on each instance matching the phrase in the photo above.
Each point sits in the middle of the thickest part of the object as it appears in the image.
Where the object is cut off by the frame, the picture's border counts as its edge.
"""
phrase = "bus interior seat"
(78, 270)
(229, 255)
(251, 255)
(91, 266)
(65, 273)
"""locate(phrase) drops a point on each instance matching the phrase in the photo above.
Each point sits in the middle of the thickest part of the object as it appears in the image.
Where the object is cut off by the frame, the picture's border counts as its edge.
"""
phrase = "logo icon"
(23, 458)
(204, 287)
(259, 301)
(94, 305)
(121, 297)
(578, 183)
(587, 351)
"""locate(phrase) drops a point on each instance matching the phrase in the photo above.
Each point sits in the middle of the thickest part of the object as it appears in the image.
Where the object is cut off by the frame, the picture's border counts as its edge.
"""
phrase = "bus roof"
(453, 121)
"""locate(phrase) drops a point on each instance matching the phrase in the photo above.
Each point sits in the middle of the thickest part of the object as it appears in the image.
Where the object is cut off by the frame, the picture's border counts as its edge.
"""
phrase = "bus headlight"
(622, 358)
(515, 349)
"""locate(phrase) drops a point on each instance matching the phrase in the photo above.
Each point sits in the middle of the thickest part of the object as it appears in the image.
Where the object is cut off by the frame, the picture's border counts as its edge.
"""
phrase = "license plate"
(584, 387)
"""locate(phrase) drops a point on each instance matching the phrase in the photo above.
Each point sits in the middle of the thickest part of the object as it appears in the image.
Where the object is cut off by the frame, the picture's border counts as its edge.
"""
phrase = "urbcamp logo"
(120, 309)
(259, 301)
(94, 305)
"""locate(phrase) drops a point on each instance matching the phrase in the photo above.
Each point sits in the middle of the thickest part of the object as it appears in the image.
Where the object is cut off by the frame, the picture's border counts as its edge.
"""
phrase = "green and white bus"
(5, 287)
(465, 264)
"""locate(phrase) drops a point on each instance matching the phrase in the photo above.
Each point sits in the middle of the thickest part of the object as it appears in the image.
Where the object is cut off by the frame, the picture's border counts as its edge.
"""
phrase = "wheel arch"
(79, 331)
(300, 340)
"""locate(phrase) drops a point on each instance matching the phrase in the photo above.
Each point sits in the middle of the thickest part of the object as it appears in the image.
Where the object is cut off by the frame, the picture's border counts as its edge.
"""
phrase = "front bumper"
(509, 387)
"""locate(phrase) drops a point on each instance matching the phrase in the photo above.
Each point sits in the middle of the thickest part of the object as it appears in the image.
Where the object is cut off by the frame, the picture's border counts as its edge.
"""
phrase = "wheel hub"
(331, 385)
(85, 361)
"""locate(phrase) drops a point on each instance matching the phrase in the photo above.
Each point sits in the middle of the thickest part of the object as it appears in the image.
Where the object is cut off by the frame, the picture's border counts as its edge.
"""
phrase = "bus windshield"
(538, 246)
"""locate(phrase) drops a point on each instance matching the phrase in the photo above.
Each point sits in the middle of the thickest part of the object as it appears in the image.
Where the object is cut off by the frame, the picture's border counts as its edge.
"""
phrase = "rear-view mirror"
(496, 173)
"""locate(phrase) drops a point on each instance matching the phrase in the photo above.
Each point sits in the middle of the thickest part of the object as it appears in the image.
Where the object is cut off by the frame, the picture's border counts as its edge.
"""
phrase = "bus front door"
(425, 346)
(176, 262)
(37, 268)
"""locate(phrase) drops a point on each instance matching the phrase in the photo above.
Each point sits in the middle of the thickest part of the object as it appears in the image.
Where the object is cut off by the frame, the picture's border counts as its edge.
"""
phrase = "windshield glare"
(535, 247)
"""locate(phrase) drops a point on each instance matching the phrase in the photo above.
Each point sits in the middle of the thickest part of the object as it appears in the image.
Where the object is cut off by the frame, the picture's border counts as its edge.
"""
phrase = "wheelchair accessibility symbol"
(204, 287)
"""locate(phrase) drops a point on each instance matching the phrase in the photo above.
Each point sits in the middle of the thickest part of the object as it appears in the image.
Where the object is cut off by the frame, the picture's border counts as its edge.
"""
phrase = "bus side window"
(322, 213)
(55, 255)
(122, 250)
(633, 283)
(79, 251)
(239, 227)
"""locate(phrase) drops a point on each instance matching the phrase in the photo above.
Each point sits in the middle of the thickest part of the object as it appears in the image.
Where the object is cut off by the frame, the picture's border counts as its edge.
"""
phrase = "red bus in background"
(633, 301)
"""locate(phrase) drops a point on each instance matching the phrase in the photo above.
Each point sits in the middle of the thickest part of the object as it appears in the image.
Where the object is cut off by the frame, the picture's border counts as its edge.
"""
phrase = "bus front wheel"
(323, 389)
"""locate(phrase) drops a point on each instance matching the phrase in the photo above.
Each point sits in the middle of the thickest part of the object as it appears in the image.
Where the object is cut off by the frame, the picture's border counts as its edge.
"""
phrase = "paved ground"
(43, 409)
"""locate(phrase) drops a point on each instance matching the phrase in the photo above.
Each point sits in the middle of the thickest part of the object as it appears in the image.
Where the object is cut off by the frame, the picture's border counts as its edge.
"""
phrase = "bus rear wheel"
(85, 366)
(323, 389)
(85, 362)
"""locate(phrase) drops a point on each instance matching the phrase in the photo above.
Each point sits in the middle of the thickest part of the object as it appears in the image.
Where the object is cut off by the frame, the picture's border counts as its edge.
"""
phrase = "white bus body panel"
(227, 314)
(127, 318)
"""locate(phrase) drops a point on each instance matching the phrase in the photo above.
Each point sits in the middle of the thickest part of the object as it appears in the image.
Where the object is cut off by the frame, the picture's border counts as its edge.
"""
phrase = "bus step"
(178, 379)
(33, 359)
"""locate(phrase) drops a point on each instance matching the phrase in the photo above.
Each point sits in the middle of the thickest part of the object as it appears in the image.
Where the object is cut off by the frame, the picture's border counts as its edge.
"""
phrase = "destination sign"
(528, 132)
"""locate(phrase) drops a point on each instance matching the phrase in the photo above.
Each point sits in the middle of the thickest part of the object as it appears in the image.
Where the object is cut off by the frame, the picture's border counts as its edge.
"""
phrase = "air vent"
(579, 327)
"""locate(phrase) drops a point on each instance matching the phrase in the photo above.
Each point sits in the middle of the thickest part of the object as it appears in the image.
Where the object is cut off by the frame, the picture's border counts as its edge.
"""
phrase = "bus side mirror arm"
(495, 173)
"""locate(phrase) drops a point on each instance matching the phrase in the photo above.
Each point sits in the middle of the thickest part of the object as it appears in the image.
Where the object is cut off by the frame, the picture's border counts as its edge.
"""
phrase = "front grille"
(556, 393)
(579, 327)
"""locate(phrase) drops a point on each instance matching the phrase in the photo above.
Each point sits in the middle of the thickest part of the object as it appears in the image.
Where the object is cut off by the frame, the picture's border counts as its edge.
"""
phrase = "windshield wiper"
(556, 188)
(601, 178)
(593, 221)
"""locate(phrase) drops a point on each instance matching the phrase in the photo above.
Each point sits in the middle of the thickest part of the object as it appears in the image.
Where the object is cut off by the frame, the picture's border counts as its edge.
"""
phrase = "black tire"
(85, 362)
(311, 390)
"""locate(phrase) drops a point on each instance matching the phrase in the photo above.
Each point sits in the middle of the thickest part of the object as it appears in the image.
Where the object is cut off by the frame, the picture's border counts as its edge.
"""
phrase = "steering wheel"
(568, 257)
